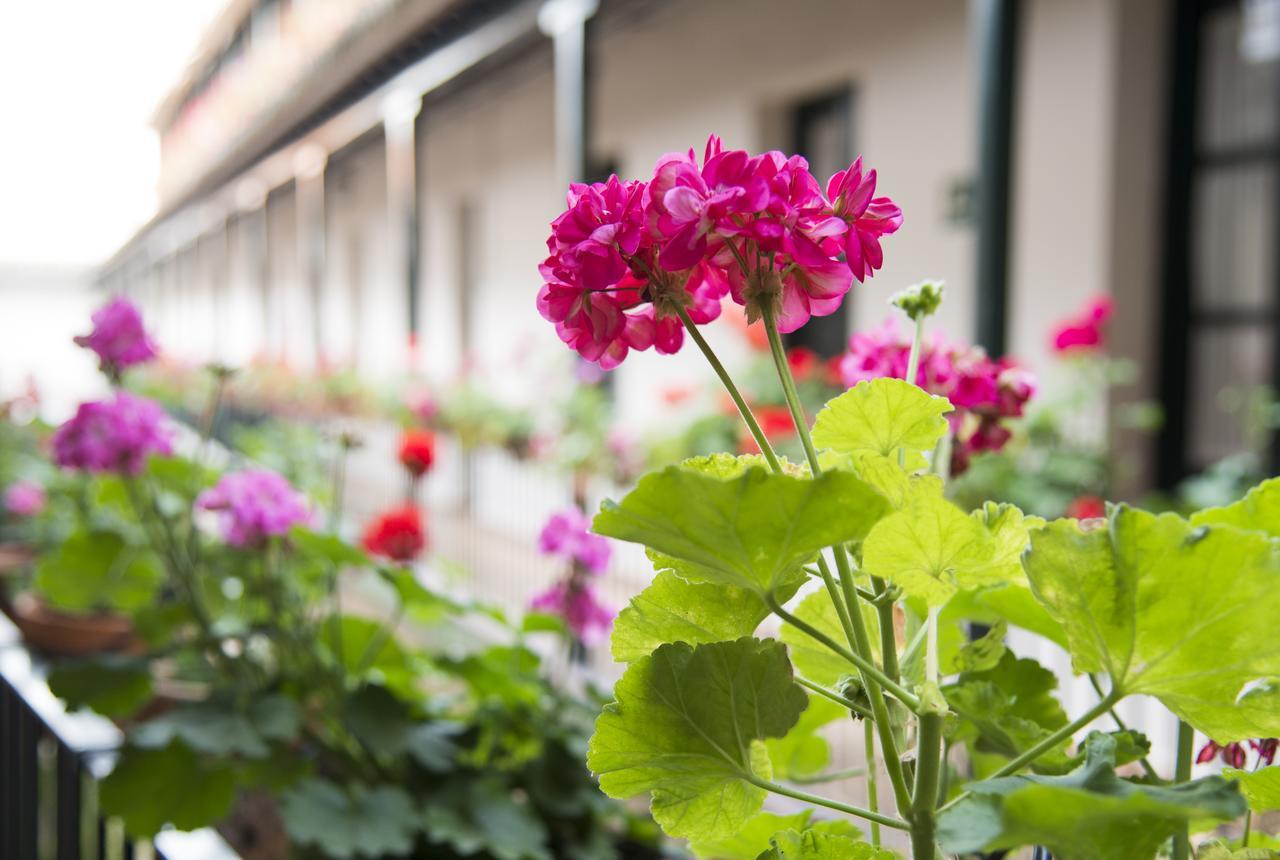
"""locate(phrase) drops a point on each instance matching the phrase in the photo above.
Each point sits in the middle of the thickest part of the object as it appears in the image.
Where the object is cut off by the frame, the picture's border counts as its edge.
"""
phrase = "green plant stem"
(1181, 774)
(1147, 767)
(859, 641)
(339, 487)
(1049, 742)
(1248, 827)
(831, 776)
(828, 693)
(816, 800)
(888, 636)
(924, 801)
(873, 793)
(863, 665)
(743, 409)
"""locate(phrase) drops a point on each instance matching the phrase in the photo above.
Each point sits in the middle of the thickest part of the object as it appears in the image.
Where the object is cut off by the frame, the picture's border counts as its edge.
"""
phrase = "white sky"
(78, 81)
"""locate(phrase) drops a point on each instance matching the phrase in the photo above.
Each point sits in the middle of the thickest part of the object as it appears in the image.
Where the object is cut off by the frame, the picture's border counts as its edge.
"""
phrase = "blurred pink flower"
(118, 336)
(115, 435)
(24, 498)
(581, 609)
(1085, 332)
(567, 534)
(254, 504)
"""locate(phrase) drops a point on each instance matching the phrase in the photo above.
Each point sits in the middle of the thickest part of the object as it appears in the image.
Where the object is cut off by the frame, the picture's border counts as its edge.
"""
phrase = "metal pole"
(309, 200)
(996, 28)
(400, 116)
(565, 21)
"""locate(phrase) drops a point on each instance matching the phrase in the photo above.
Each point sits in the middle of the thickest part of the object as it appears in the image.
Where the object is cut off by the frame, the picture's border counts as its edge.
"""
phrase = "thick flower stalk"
(118, 337)
(115, 435)
(255, 505)
(633, 265)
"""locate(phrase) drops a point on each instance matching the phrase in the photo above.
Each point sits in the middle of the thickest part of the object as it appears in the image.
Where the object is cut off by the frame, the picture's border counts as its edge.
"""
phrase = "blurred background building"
(368, 184)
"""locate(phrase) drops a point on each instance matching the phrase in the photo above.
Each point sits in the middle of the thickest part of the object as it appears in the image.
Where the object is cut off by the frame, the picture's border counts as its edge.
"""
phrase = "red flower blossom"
(804, 363)
(417, 451)
(776, 423)
(1086, 508)
(1084, 332)
(1233, 754)
(397, 534)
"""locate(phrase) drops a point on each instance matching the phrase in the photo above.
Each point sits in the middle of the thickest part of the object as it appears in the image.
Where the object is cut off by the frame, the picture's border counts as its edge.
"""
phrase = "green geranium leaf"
(1174, 611)
(673, 609)
(817, 845)
(891, 480)
(749, 840)
(753, 530)
(1259, 510)
(114, 685)
(98, 570)
(1261, 788)
(687, 726)
(1090, 814)
(149, 788)
(804, 751)
(811, 658)
(217, 729)
(1010, 533)
(932, 549)
(350, 821)
(883, 416)
(984, 653)
(480, 815)
(1012, 602)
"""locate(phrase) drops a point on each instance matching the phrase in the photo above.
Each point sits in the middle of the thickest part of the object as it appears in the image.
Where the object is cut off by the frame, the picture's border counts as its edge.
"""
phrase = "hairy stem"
(873, 794)
(743, 409)
(1182, 773)
(816, 800)
(863, 665)
(924, 802)
(828, 693)
(872, 677)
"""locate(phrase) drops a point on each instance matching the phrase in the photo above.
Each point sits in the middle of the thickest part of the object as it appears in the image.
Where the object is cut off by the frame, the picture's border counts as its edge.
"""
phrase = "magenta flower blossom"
(115, 435)
(985, 392)
(24, 498)
(629, 259)
(869, 218)
(254, 505)
(118, 336)
(568, 536)
(1085, 332)
(581, 609)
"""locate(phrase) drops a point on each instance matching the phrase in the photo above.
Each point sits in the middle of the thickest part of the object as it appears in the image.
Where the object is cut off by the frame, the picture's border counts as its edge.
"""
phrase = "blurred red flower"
(397, 534)
(417, 451)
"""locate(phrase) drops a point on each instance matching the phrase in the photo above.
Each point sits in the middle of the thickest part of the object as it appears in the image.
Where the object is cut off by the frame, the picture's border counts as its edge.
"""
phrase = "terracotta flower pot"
(14, 557)
(63, 634)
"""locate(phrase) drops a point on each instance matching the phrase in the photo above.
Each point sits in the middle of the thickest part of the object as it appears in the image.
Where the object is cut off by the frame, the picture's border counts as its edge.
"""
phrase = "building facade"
(369, 183)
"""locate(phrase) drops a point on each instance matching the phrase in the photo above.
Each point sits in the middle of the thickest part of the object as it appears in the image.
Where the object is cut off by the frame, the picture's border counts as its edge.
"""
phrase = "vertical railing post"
(996, 29)
(309, 169)
(565, 22)
(27, 807)
(68, 805)
(8, 771)
(399, 121)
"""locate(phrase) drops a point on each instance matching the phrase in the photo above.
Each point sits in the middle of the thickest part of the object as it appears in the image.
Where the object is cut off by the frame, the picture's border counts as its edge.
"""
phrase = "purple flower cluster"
(581, 609)
(567, 535)
(254, 504)
(24, 498)
(118, 336)
(115, 435)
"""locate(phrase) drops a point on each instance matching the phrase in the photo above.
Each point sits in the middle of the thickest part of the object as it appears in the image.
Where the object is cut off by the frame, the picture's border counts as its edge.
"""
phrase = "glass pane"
(1233, 236)
(1231, 363)
(1238, 92)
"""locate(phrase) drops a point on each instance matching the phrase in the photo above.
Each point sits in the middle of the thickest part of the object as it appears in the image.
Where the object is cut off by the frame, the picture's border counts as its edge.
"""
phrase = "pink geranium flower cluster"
(24, 498)
(115, 435)
(1086, 331)
(254, 504)
(628, 258)
(567, 536)
(118, 337)
(984, 391)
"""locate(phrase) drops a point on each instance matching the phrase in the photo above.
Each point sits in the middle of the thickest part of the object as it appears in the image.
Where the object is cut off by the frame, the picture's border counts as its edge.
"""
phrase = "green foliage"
(672, 609)
(811, 658)
(96, 570)
(213, 729)
(804, 752)
(883, 416)
(1261, 788)
(751, 530)
(1167, 609)
(172, 784)
(1259, 510)
(748, 841)
(817, 845)
(350, 821)
(1090, 814)
(114, 685)
(480, 815)
(686, 726)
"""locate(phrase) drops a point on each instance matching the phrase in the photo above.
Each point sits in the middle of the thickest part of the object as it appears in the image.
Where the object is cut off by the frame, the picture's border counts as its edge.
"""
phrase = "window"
(821, 131)
(1222, 280)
